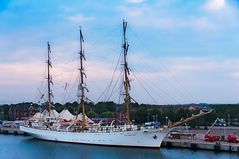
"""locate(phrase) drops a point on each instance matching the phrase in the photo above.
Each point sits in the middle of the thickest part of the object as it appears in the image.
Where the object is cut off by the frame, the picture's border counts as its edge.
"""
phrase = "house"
(191, 107)
(22, 111)
(1, 113)
(4, 112)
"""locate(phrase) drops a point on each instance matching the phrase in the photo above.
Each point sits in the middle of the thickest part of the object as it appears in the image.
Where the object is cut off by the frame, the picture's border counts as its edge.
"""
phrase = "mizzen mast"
(49, 78)
(126, 73)
(82, 86)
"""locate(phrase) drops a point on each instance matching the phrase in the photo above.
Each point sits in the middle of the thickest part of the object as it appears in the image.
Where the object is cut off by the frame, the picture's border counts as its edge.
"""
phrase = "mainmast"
(81, 86)
(126, 73)
(49, 78)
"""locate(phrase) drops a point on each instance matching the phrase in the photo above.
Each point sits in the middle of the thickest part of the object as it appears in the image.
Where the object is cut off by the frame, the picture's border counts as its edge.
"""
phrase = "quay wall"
(201, 145)
(13, 131)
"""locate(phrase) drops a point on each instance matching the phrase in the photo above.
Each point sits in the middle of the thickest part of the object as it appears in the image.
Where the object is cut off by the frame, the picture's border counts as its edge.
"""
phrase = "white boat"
(125, 134)
(151, 138)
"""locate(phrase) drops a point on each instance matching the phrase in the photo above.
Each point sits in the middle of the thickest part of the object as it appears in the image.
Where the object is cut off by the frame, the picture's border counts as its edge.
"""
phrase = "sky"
(180, 51)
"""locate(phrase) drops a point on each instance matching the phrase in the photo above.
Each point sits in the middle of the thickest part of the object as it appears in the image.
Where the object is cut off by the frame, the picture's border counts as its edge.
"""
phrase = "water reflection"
(51, 150)
(20, 147)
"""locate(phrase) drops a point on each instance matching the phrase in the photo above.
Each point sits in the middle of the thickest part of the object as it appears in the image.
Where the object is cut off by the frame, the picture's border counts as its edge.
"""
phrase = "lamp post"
(166, 120)
(228, 120)
(153, 118)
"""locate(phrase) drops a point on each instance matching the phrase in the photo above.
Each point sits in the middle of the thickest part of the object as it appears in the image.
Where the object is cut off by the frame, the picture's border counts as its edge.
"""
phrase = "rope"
(171, 74)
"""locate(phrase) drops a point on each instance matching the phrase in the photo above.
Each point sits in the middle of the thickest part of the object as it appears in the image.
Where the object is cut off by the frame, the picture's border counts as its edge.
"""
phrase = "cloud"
(80, 18)
(215, 5)
(235, 75)
(205, 78)
(19, 73)
(202, 23)
(222, 13)
(214, 14)
(146, 16)
(179, 65)
(150, 17)
(137, 12)
(27, 76)
(185, 20)
(135, 1)
(168, 78)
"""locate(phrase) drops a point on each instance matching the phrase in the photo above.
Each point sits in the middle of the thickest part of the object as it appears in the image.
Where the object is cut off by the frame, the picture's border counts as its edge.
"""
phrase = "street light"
(228, 120)
(153, 118)
(166, 120)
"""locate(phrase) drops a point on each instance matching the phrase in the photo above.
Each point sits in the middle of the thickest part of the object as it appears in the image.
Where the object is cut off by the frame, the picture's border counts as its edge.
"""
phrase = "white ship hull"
(151, 138)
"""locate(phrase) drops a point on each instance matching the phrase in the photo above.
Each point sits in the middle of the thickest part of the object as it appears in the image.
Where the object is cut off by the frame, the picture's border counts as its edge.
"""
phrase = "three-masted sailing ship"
(82, 132)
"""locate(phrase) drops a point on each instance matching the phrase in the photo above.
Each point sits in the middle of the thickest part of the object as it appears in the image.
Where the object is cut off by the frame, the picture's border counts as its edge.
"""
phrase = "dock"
(12, 127)
(10, 130)
(194, 139)
(201, 145)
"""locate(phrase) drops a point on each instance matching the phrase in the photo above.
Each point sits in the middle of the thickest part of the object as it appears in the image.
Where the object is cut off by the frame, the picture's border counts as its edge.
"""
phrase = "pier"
(194, 139)
(201, 145)
(13, 131)
(12, 127)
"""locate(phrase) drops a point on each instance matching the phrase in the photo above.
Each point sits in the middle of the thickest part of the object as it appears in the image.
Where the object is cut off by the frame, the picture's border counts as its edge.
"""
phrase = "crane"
(208, 136)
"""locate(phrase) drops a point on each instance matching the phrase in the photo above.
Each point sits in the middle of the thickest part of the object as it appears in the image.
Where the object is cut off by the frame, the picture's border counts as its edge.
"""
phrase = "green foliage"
(107, 114)
(58, 107)
(91, 114)
(141, 113)
(102, 107)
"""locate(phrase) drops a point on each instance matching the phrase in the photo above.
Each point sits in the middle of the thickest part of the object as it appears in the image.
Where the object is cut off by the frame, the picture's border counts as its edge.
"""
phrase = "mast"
(126, 73)
(49, 78)
(81, 86)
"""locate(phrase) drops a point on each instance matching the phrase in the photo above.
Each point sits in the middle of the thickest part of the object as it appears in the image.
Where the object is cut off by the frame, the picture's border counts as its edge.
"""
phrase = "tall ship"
(82, 131)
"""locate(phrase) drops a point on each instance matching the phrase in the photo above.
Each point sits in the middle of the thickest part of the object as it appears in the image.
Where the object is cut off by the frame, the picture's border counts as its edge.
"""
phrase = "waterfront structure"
(4, 112)
(22, 111)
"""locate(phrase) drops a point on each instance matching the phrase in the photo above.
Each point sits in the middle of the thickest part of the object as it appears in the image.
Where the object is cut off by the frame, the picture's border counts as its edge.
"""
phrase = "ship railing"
(91, 129)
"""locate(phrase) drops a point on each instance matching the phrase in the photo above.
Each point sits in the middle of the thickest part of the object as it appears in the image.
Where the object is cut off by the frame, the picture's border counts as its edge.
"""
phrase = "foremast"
(82, 86)
(126, 74)
(49, 78)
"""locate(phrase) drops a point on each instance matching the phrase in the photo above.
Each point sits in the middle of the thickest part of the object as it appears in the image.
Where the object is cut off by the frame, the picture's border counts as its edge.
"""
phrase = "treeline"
(141, 113)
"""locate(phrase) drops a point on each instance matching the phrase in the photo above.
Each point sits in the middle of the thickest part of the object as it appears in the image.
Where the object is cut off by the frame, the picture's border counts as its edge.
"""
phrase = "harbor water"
(25, 147)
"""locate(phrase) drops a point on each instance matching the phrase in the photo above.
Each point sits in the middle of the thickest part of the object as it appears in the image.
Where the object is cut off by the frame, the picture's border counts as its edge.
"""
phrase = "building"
(4, 112)
(22, 111)
(191, 107)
